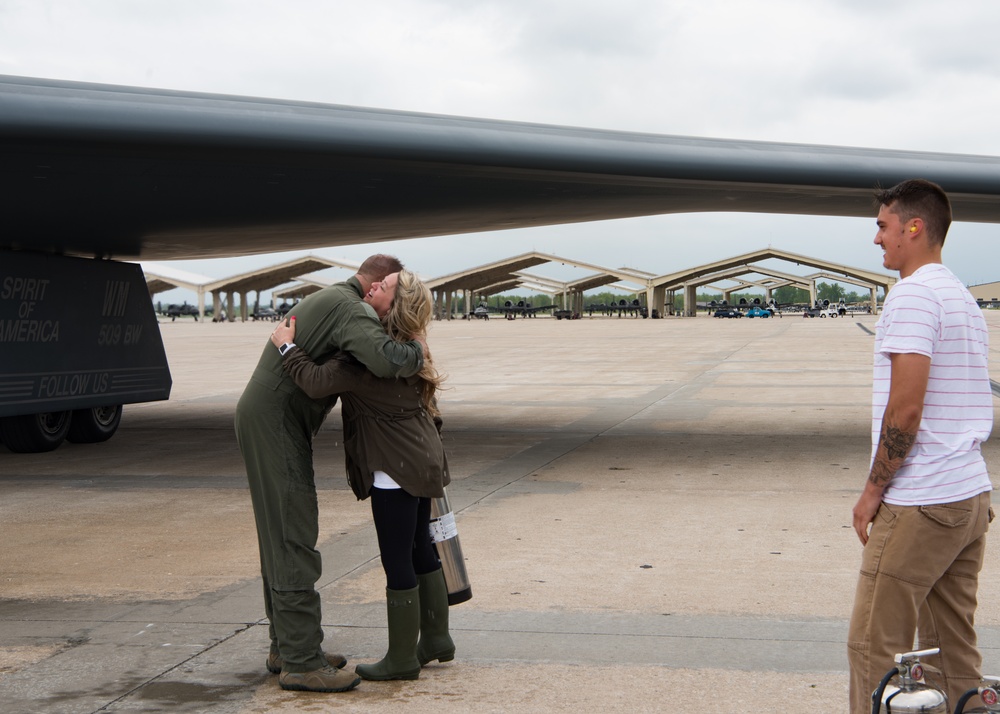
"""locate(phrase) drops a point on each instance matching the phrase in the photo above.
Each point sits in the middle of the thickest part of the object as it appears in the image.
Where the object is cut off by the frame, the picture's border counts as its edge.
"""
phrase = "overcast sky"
(915, 75)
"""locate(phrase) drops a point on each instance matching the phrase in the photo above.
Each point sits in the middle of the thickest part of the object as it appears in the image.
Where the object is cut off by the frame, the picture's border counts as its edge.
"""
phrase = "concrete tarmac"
(655, 517)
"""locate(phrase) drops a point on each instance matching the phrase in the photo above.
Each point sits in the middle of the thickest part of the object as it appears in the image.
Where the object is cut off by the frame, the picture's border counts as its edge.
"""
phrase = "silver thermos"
(444, 534)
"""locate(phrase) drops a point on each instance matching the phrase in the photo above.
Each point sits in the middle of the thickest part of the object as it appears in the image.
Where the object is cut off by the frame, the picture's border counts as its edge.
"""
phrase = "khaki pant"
(919, 575)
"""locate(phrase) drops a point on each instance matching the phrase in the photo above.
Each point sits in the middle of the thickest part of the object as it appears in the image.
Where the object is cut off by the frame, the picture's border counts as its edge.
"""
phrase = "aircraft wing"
(121, 172)
(127, 172)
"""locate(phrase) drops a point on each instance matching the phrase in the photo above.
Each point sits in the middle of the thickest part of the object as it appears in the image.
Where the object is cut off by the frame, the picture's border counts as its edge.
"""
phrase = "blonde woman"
(394, 456)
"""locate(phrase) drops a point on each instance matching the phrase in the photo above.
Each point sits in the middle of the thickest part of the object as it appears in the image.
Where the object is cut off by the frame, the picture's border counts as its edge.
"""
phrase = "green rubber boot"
(435, 642)
(400, 662)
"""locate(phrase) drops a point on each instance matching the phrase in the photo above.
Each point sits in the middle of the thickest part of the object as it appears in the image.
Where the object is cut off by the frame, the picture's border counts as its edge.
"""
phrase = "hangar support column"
(690, 300)
(438, 306)
(656, 300)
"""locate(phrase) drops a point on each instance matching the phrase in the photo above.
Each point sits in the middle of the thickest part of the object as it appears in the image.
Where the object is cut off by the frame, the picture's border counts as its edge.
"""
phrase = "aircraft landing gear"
(38, 433)
(34, 433)
(94, 425)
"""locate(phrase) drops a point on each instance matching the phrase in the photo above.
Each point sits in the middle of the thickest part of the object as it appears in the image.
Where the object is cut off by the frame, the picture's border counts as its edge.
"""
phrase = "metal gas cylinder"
(909, 693)
(444, 534)
(989, 695)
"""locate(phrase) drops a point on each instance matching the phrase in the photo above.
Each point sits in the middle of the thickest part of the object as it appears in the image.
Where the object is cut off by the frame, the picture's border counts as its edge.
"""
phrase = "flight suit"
(275, 422)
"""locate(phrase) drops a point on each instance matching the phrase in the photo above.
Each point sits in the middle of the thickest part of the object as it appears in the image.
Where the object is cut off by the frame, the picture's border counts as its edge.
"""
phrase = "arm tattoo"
(881, 473)
(897, 442)
(894, 445)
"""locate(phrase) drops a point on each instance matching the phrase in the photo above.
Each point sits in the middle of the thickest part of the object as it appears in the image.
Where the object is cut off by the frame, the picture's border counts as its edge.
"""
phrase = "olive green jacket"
(386, 427)
(337, 319)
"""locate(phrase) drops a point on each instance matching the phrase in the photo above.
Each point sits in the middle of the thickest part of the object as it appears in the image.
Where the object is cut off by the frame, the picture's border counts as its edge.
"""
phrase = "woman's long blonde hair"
(409, 315)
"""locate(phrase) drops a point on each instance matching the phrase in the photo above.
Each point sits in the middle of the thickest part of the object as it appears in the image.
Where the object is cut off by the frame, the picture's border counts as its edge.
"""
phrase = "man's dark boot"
(435, 642)
(324, 679)
(400, 662)
(274, 663)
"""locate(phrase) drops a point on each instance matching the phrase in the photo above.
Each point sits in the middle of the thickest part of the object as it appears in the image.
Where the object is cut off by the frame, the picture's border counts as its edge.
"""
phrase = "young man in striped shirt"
(927, 498)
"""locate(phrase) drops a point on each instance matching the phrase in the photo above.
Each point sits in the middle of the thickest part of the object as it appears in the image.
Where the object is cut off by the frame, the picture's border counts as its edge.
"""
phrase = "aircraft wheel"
(92, 426)
(35, 433)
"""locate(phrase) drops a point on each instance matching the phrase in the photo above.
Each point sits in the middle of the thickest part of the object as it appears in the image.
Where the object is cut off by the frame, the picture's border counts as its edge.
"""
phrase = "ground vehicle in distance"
(821, 312)
(565, 314)
(728, 312)
(756, 311)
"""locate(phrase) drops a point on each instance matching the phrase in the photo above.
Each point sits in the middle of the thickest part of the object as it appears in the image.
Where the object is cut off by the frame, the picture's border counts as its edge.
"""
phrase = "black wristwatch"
(283, 350)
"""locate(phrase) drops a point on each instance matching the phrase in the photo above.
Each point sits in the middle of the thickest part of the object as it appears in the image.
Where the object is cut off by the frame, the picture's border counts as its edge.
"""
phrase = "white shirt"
(384, 480)
(931, 313)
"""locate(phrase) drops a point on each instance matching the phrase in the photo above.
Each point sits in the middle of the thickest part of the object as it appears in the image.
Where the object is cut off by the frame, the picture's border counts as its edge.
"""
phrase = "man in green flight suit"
(275, 423)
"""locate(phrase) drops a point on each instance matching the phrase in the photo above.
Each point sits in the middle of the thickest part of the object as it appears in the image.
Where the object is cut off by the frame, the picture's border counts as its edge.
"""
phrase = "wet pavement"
(655, 516)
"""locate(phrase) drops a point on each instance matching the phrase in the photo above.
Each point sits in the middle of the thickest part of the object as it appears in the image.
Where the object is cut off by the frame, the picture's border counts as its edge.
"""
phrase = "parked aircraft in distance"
(754, 306)
(175, 311)
(482, 312)
(121, 173)
(266, 312)
(633, 308)
(777, 308)
(525, 309)
(630, 307)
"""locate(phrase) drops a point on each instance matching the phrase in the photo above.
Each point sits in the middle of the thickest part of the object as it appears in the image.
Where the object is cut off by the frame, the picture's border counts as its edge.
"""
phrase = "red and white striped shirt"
(931, 313)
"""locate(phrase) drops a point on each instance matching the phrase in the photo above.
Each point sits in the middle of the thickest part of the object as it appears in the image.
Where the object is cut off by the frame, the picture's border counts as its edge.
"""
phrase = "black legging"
(402, 523)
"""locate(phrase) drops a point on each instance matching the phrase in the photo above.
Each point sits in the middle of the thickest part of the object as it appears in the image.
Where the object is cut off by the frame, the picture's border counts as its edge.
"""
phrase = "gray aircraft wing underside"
(128, 172)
